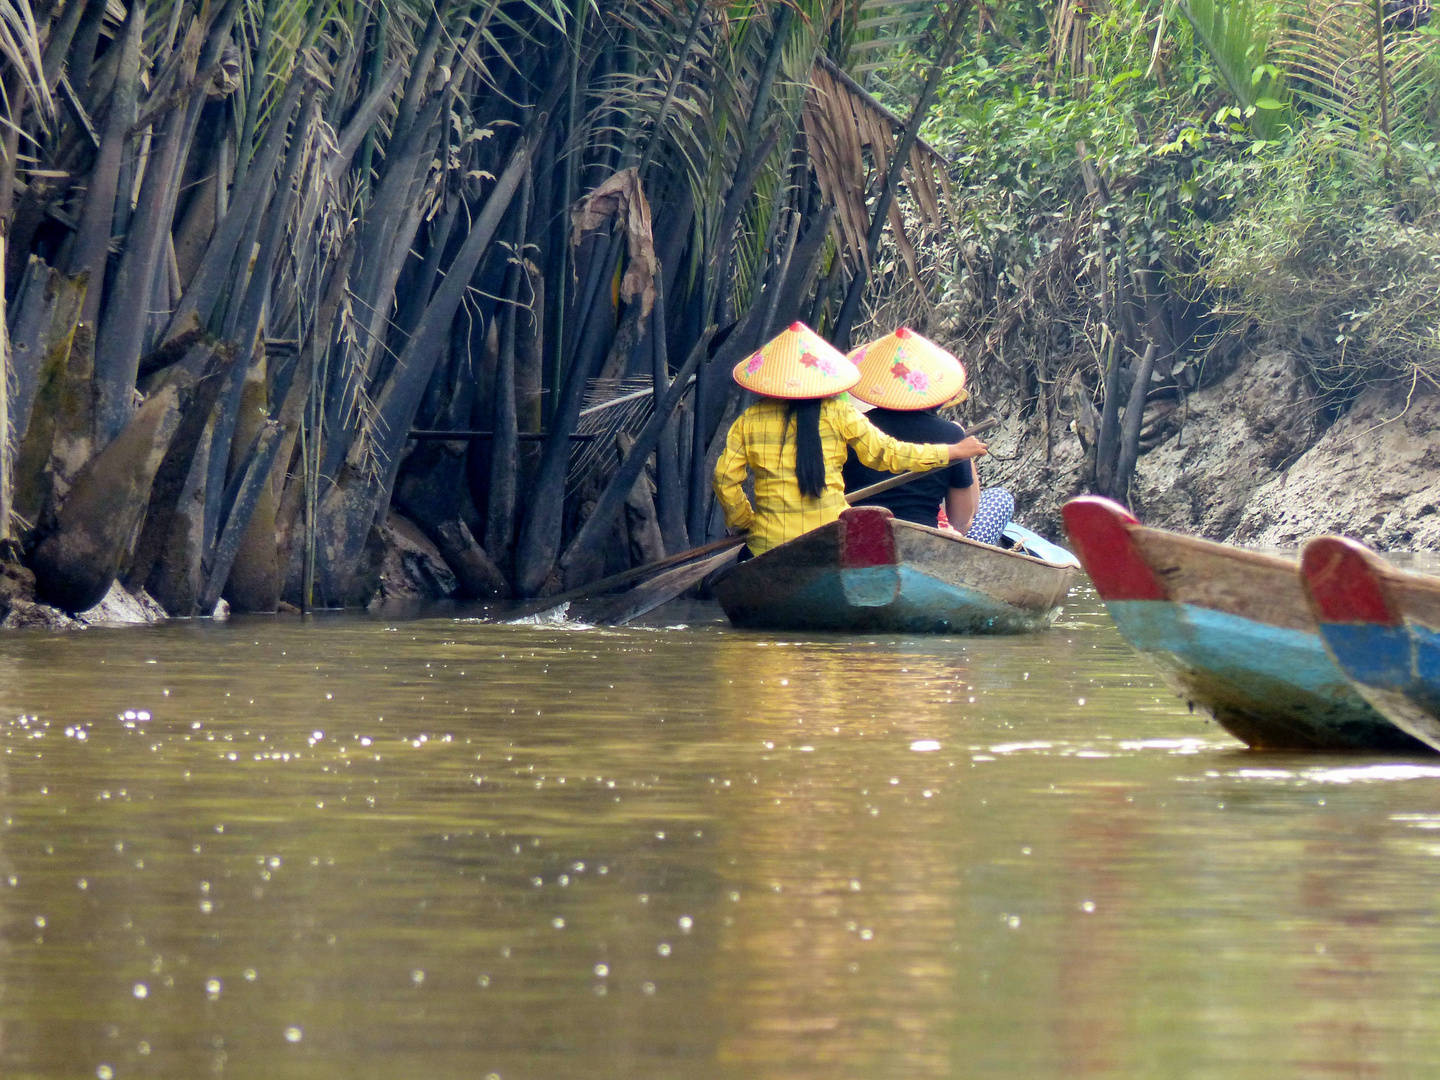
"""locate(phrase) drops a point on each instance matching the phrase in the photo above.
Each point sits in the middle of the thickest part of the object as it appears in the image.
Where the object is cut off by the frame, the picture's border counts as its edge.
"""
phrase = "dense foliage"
(1144, 184)
(255, 245)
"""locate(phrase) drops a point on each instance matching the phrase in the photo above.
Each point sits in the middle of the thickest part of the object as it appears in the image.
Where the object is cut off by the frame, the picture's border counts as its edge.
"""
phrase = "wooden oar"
(663, 588)
(614, 581)
(679, 572)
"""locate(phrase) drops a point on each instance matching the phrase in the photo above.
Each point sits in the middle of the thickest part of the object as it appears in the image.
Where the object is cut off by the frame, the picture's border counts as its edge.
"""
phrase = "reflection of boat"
(870, 571)
(1382, 627)
(1230, 628)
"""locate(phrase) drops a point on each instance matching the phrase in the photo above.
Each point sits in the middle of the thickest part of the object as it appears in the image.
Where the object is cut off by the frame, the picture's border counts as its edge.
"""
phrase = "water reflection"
(381, 849)
(834, 963)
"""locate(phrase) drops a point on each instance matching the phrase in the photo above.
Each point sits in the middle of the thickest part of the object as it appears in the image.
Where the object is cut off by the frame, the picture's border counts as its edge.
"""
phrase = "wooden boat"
(1232, 631)
(1381, 625)
(871, 572)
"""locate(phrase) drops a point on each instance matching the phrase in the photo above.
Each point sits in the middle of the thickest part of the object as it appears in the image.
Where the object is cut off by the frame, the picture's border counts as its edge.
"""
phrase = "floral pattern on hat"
(906, 371)
(823, 363)
(915, 379)
(797, 364)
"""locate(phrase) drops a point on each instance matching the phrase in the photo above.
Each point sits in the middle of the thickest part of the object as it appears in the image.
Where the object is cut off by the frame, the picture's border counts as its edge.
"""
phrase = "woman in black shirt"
(907, 378)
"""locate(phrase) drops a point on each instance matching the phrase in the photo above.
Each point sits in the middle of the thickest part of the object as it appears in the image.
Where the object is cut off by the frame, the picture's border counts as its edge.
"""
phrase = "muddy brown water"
(375, 847)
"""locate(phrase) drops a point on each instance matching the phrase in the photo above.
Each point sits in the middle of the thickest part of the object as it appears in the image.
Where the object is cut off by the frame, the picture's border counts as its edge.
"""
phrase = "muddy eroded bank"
(1253, 459)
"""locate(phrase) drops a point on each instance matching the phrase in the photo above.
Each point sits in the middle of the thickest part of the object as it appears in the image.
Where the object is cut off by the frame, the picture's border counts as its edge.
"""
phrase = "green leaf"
(1267, 103)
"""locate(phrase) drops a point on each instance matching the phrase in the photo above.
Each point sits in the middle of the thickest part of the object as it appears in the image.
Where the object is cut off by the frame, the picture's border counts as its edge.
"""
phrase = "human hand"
(969, 447)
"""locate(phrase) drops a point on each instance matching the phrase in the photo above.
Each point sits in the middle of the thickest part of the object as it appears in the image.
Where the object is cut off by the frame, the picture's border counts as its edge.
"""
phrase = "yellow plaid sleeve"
(730, 478)
(883, 452)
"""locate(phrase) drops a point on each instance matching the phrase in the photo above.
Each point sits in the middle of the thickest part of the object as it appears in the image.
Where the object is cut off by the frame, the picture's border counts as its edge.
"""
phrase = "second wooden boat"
(871, 572)
(1381, 625)
(1232, 631)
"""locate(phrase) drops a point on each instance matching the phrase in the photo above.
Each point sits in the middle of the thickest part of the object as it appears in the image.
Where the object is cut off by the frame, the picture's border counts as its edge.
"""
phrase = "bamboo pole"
(499, 539)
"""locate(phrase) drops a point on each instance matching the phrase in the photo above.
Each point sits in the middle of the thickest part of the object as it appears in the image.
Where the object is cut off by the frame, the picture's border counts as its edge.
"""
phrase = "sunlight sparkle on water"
(1361, 773)
(854, 912)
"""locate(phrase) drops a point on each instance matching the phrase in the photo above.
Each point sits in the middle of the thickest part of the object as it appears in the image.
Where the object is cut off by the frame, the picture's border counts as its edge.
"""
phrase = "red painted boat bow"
(1346, 584)
(868, 539)
(1099, 530)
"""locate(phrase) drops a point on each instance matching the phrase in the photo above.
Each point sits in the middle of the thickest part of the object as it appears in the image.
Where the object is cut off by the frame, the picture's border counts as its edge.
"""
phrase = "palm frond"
(1328, 48)
(852, 138)
(1236, 35)
(21, 48)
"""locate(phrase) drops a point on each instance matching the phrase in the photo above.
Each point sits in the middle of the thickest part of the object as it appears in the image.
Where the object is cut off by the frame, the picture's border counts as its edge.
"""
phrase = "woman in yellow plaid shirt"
(794, 441)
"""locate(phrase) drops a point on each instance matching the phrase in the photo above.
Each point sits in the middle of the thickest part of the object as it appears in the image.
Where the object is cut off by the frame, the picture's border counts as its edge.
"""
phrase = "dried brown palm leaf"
(622, 197)
(828, 119)
(852, 139)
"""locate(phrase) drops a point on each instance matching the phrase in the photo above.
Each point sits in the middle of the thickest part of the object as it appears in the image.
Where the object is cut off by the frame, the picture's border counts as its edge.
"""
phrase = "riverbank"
(1252, 458)
(21, 610)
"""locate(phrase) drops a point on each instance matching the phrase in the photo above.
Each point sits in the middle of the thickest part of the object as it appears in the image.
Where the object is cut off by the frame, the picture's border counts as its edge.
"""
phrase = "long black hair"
(809, 455)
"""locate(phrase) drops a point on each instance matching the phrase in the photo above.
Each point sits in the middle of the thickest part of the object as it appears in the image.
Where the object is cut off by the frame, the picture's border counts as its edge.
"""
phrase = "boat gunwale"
(961, 538)
(1170, 580)
(1231, 551)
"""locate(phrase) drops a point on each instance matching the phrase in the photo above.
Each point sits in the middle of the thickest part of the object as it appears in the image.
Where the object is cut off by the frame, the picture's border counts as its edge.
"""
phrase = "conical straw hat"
(797, 364)
(906, 371)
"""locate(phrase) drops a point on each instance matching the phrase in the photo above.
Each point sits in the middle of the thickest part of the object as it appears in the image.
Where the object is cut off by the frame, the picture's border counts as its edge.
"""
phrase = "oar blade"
(661, 589)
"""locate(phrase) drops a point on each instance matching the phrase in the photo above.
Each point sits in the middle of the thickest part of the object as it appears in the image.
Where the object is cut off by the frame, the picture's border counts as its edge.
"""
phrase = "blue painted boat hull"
(871, 573)
(1395, 668)
(1231, 629)
(886, 599)
(1270, 686)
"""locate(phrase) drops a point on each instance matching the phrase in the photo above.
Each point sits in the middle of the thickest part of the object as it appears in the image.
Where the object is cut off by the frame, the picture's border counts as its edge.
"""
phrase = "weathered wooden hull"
(1381, 625)
(1232, 632)
(872, 573)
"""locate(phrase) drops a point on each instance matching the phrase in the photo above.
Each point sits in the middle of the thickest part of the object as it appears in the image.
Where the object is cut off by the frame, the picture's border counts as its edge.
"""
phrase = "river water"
(432, 848)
